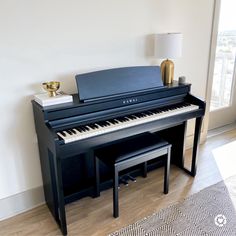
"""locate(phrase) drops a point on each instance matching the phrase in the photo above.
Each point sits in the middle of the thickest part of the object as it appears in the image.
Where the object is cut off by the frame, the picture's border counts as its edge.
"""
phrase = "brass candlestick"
(51, 87)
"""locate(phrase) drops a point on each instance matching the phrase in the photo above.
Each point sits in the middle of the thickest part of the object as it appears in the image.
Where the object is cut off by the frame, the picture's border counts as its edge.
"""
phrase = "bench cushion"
(129, 148)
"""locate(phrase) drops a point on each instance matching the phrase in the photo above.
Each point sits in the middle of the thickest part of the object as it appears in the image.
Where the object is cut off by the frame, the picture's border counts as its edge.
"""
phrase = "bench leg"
(144, 169)
(115, 193)
(97, 177)
(167, 172)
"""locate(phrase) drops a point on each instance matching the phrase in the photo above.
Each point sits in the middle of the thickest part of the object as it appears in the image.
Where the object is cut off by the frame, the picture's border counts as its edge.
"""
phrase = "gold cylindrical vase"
(167, 71)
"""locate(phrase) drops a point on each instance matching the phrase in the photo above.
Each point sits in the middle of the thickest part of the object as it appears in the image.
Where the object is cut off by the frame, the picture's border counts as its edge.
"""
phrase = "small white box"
(44, 100)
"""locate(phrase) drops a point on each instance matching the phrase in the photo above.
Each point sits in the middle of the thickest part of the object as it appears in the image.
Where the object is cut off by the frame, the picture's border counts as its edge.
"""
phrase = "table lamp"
(168, 46)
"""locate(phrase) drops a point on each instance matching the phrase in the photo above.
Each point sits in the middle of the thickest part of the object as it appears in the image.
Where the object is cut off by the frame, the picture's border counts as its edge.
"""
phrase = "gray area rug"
(208, 212)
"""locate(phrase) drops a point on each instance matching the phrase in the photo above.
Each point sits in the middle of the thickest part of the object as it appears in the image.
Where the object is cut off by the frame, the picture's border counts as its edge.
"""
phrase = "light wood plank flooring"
(90, 217)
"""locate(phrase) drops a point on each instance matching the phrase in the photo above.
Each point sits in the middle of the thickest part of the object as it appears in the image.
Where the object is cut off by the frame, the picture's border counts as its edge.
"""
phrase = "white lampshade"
(168, 45)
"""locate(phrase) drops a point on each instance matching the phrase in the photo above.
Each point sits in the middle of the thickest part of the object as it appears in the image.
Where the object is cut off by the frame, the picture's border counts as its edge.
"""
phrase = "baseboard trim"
(21, 202)
(220, 130)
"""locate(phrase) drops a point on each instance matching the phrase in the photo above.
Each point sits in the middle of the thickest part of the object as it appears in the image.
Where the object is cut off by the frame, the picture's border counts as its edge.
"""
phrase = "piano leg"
(144, 167)
(60, 196)
(97, 177)
(180, 151)
(197, 133)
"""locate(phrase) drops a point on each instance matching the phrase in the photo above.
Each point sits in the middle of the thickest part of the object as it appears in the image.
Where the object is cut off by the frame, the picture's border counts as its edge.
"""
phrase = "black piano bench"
(129, 153)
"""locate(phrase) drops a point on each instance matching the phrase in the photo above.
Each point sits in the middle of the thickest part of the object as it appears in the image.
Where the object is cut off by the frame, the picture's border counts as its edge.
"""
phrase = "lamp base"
(167, 71)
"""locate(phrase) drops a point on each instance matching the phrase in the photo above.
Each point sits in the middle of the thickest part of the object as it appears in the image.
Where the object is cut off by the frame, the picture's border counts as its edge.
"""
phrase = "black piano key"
(187, 104)
(79, 129)
(164, 109)
(139, 115)
(149, 113)
(101, 124)
(117, 121)
(113, 122)
(127, 117)
(179, 106)
(86, 128)
(60, 136)
(131, 117)
(92, 126)
(73, 131)
(120, 119)
(97, 126)
(63, 133)
(83, 128)
(69, 132)
(154, 111)
(106, 123)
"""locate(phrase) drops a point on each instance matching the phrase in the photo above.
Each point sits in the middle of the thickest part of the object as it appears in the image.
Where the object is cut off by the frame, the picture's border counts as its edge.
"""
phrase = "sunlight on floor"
(225, 158)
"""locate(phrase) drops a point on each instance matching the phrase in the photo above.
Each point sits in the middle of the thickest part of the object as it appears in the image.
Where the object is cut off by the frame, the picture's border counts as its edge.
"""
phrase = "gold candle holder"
(51, 87)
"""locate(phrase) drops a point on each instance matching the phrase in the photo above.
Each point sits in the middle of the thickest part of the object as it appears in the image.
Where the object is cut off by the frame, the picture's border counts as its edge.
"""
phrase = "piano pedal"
(124, 181)
(132, 178)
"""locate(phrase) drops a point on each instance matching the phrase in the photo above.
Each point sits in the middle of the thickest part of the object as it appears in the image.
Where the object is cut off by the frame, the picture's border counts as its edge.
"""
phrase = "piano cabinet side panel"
(46, 149)
(78, 175)
(176, 136)
(49, 182)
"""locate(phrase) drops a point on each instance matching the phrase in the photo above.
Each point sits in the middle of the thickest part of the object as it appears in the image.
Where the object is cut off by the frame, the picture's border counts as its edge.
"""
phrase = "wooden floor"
(94, 216)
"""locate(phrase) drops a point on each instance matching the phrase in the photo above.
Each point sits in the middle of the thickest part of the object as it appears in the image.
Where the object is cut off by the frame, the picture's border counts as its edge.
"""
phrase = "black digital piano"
(110, 105)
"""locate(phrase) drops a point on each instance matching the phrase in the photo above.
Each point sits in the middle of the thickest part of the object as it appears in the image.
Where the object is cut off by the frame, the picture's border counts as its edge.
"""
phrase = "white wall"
(56, 39)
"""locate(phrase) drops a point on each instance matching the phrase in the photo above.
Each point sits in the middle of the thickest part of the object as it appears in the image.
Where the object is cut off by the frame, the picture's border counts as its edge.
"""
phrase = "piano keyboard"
(102, 127)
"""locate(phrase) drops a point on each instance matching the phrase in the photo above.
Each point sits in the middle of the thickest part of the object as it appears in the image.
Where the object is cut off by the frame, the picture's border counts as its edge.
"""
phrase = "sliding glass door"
(223, 95)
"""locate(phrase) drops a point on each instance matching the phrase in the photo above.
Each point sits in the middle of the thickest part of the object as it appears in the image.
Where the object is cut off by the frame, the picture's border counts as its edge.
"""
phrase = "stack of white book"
(44, 100)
